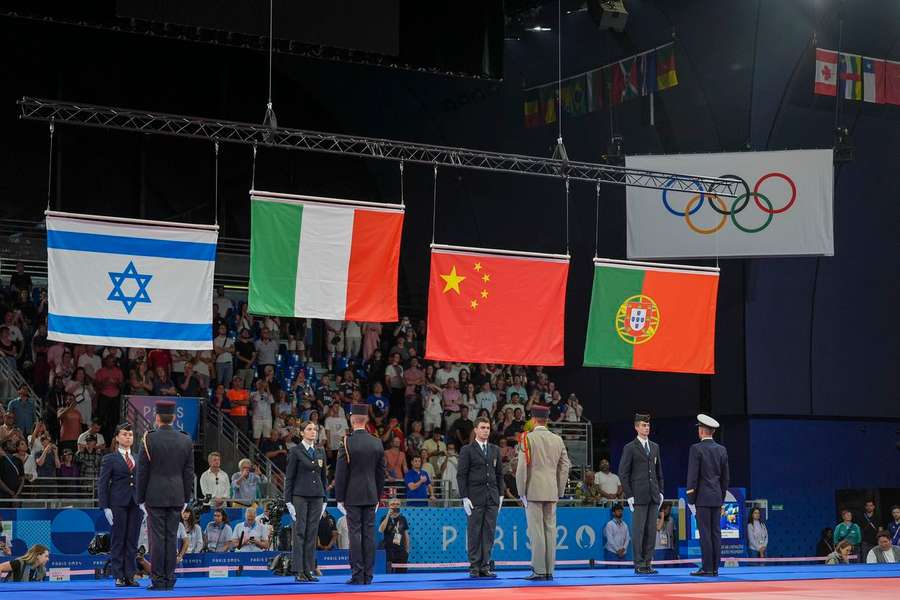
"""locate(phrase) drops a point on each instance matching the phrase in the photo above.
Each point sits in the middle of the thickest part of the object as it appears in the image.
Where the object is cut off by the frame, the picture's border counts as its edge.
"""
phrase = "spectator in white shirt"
(261, 401)
(250, 535)
(610, 484)
(94, 430)
(223, 348)
(215, 482)
(335, 426)
(189, 536)
(884, 552)
(757, 534)
(486, 398)
(343, 534)
(90, 361)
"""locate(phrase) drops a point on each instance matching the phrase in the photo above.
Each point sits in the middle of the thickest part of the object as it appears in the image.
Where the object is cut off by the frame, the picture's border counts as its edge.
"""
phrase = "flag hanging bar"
(128, 221)
(652, 265)
(473, 250)
(288, 198)
(123, 119)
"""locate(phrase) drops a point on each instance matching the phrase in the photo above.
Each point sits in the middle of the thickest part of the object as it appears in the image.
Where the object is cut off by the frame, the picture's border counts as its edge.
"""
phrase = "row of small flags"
(638, 75)
(857, 77)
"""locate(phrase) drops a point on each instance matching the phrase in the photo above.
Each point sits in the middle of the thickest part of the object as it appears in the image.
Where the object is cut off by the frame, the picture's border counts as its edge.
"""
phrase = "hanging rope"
(567, 215)
(402, 203)
(559, 69)
(597, 224)
(269, 120)
(216, 182)
(434, 204)
(50, 166)
(253, 170)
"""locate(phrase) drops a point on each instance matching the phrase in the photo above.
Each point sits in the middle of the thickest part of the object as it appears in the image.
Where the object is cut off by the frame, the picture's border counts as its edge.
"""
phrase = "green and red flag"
(652, 318)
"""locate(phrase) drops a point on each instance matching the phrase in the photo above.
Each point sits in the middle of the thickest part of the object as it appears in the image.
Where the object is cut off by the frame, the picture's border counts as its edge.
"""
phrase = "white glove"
(109, 516)
(467, 506)
(693, 509)
(340, 506)
(631, 503)
(524, 501)
(292, 511)
(143, 509)
(661, 498)
(501, 504)
(324, 508)
(184, 508)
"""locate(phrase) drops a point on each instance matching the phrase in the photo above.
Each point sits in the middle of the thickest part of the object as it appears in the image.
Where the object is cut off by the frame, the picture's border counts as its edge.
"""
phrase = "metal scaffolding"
(123, 119)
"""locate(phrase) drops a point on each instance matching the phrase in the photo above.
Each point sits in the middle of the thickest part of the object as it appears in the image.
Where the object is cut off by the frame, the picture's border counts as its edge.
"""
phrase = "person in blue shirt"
(418, 484)
(23, 408)
(379, 404)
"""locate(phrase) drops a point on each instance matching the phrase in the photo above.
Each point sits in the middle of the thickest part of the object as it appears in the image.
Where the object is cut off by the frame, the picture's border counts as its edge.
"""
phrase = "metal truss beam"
(122, 119)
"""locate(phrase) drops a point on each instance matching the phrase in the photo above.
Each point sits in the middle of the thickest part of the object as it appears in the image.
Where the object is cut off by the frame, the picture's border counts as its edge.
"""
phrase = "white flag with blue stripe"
(129, 283)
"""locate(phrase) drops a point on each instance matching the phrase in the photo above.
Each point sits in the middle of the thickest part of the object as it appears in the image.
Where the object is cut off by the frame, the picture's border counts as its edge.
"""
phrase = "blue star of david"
(118, 279)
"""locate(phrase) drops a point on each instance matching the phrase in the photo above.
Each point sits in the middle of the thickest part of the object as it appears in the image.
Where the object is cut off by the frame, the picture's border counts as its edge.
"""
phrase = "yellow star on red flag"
(452, 281)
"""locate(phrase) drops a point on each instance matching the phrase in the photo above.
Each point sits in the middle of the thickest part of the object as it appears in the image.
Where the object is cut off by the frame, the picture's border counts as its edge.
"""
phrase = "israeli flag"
(132, 283)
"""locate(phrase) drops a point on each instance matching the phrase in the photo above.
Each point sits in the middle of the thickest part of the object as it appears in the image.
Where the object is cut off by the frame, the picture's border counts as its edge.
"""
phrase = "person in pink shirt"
(108, 381)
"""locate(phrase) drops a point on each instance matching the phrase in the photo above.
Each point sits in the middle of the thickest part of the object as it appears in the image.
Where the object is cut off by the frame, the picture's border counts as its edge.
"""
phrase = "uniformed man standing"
(165, 483)
(304, 493)
(640, 471)
(707, 483)
(115, 491)
(479, 477)
(541, 476)
(358, 482)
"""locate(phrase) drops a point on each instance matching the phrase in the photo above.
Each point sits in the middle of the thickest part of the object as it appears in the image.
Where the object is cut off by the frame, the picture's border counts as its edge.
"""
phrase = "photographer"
(218, 533)
(245, 482)
(396, 535)
(29, 567)
(189, 536)
(250, 535)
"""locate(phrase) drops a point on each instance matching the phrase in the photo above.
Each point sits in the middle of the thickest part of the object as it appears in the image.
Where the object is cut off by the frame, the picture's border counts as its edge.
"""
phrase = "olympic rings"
(746, 200)
(740, 203)
(724, 212)
(769, 214)
(790, 183)
(666, 201)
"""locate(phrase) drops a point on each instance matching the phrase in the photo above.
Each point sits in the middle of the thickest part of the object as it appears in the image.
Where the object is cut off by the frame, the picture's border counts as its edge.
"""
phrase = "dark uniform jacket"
(707, 479)
(359, 474)
(479, 477)
(115, 486)
(165, 471)
(304, 476)
(641, 475)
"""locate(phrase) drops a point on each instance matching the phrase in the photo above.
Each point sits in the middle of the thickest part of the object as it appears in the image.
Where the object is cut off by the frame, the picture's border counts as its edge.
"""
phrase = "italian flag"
(324, 258)
(652, 318)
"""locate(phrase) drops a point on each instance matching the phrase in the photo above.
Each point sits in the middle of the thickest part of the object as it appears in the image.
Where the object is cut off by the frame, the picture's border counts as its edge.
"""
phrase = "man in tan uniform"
(541, 476)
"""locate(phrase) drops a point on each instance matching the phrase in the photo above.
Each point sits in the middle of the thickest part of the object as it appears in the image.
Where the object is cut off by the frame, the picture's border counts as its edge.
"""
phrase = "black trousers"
(306, 532)
(162, 529)
(123, 540)
(643, 533)
(361, 529)
(482, 524)
(709, 524)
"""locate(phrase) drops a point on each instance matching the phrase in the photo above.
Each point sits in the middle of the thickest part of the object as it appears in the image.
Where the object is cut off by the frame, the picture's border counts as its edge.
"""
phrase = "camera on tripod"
(199, 506)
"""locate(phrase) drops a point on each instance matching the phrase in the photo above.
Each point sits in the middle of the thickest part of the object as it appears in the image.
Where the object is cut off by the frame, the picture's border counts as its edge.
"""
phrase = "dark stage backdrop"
(798, 336)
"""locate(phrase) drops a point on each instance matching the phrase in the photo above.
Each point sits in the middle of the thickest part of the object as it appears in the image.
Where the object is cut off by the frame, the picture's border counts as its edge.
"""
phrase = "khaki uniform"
(542, 483)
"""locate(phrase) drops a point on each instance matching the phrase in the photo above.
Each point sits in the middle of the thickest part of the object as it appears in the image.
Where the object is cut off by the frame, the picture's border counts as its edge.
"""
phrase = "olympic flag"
(783, 206)
(124, 282)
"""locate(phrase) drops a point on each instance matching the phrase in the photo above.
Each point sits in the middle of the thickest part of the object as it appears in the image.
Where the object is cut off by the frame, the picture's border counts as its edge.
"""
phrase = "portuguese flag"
(486, 307)
(652, 318)
(323, 257)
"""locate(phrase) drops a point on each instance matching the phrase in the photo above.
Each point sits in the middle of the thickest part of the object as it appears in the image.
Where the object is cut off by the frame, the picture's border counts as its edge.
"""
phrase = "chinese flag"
(488, 308)
(892, 82)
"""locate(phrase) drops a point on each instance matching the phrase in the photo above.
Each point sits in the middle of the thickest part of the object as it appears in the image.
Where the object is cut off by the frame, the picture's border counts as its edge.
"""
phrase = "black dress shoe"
(714, 574)
(352, 581)
(701, 573)
(548, 577)
(301, 578)
(157, 587)
(130, 582)
(121, 583)
(650, 571)
(489, 574)
(311, 578)
(536, 577)
(474, 573)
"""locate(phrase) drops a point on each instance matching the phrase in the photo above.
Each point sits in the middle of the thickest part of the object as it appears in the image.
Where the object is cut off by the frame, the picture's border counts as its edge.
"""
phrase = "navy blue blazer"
(707, 479)
(304, 476)
(115, 486)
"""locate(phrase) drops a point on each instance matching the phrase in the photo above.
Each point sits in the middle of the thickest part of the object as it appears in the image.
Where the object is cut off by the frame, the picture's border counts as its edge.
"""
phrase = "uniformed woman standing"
(304, 493)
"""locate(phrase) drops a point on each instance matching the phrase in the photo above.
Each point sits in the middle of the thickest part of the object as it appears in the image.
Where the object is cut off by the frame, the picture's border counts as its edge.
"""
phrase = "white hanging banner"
(783, 206)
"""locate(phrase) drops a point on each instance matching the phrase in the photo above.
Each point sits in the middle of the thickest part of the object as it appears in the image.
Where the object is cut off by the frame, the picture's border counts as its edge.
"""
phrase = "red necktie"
(129, 462)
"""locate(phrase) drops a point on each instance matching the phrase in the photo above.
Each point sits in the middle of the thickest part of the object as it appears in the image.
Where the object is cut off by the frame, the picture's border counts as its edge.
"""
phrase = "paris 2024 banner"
(782, 206)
